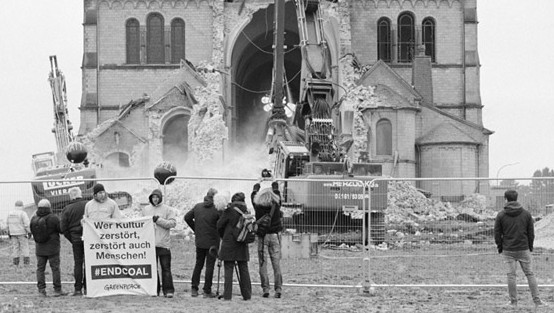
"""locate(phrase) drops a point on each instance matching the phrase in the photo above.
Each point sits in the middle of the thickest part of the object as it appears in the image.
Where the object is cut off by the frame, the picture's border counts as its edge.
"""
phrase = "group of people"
(213, 221)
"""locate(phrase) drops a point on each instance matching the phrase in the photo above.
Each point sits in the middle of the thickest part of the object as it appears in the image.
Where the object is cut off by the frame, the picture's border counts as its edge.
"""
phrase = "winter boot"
(42, 292)
(26, 260)
(16, 261)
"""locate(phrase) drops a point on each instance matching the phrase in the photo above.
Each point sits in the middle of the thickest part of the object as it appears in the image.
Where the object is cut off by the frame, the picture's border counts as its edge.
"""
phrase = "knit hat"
(18, 203)
(97, 188)
(44, 203)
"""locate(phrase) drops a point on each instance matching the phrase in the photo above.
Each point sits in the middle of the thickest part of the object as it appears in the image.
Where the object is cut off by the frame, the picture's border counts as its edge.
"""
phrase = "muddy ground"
(18, 290)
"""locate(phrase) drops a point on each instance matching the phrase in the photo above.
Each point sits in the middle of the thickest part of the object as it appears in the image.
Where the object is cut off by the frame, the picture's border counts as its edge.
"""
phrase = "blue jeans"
(203, 255)
(54, 261)
(270, 244)
(511, 258)
(79, 265)
(163, 256)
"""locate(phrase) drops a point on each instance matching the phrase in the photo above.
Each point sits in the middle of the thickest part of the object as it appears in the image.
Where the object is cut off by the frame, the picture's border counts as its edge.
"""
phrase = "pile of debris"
(407, 205)
(544, 232)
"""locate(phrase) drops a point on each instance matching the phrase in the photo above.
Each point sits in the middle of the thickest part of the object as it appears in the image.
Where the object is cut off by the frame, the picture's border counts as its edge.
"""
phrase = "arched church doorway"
(252, 66)
(175, 139)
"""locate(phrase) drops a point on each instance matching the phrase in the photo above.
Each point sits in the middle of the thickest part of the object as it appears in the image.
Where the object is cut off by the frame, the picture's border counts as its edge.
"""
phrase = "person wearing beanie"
(202, 219)
(72, 229)
(44, 224)
(164, 218)
(18, 230)
(101, 206)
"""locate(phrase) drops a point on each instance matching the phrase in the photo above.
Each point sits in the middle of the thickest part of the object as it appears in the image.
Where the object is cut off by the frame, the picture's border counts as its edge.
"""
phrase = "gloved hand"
(155, 218)
(500, 250)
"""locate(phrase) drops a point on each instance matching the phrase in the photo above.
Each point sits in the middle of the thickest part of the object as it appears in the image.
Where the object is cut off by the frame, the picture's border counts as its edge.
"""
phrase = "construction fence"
(358, 232)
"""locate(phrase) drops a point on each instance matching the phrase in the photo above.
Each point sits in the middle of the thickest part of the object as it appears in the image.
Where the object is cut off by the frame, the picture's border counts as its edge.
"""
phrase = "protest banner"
(120, 257)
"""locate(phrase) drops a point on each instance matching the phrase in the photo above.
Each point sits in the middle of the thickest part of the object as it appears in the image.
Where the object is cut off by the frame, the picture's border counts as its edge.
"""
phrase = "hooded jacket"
(18, 222)
(202, 219)
(514, 229)
(52, 246)
(167, 219)
(231, 249)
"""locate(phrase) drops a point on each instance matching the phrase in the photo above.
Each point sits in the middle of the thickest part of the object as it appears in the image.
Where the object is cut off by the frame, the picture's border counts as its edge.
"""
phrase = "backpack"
(245, 230)
(264, 222)
(40, 230)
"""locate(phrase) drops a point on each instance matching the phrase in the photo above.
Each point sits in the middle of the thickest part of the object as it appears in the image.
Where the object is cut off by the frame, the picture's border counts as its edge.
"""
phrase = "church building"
(176, 80)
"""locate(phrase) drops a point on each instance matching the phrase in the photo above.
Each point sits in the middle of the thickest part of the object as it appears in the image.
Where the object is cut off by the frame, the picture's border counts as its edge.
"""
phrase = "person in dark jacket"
(514, 234)
(72, 229)
(269, 243)
(231, 251)
(48, 251)
(202, 219)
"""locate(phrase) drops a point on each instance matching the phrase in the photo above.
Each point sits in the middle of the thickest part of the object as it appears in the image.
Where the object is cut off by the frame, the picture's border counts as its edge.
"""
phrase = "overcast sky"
(515, 46)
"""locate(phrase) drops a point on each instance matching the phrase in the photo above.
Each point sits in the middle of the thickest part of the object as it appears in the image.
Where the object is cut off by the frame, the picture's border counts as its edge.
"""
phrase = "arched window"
(428, 31)
(118, 159)
(155, 39)
(132, 29)
(384, 137)
(384, 43)
(177, 40)
(406, 37)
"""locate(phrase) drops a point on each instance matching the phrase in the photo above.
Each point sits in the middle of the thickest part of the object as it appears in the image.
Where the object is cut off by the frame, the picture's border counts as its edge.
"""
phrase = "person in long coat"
(232, 252)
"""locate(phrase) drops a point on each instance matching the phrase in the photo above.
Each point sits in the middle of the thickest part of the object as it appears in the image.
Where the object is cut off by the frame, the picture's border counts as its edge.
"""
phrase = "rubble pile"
(544, 232)
(207, 128)
(475, 205)
(406, 205)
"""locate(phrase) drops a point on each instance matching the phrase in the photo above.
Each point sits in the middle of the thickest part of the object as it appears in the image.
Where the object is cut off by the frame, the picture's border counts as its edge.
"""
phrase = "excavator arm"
(62, 126)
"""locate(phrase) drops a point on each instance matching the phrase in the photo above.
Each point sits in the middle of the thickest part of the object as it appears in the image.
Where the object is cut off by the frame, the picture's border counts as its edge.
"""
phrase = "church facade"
(164, 78)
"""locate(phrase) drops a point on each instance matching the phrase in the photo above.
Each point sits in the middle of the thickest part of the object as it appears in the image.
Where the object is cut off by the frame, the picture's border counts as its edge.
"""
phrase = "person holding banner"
(202, 219)
(72, 229)
(233, 252)
(164, 218)
(101, 206)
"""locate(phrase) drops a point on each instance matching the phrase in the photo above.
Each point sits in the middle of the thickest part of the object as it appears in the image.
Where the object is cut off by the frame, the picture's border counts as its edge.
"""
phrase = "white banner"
(120, 257)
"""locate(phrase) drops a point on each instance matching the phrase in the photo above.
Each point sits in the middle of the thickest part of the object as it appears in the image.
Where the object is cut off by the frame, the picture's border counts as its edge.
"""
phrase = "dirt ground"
(23, 297)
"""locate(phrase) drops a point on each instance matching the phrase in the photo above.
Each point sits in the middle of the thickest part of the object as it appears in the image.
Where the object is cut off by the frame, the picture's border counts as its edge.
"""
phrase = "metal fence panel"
(445, 236)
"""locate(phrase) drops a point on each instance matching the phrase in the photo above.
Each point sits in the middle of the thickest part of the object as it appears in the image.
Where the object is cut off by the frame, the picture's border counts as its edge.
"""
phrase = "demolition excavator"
(315, 174)
(55, 173)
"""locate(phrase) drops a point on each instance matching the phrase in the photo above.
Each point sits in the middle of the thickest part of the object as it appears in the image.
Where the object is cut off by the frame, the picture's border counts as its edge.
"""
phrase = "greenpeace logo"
(110, 271)
(66, 183)
(367, 183)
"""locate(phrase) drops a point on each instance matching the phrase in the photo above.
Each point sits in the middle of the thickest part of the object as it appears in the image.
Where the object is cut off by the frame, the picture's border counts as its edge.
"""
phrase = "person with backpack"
(18, 230)
(72, 229)
(45, 228)
(164, 218)
(202, 219)
(268, 217)
(232, 251)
